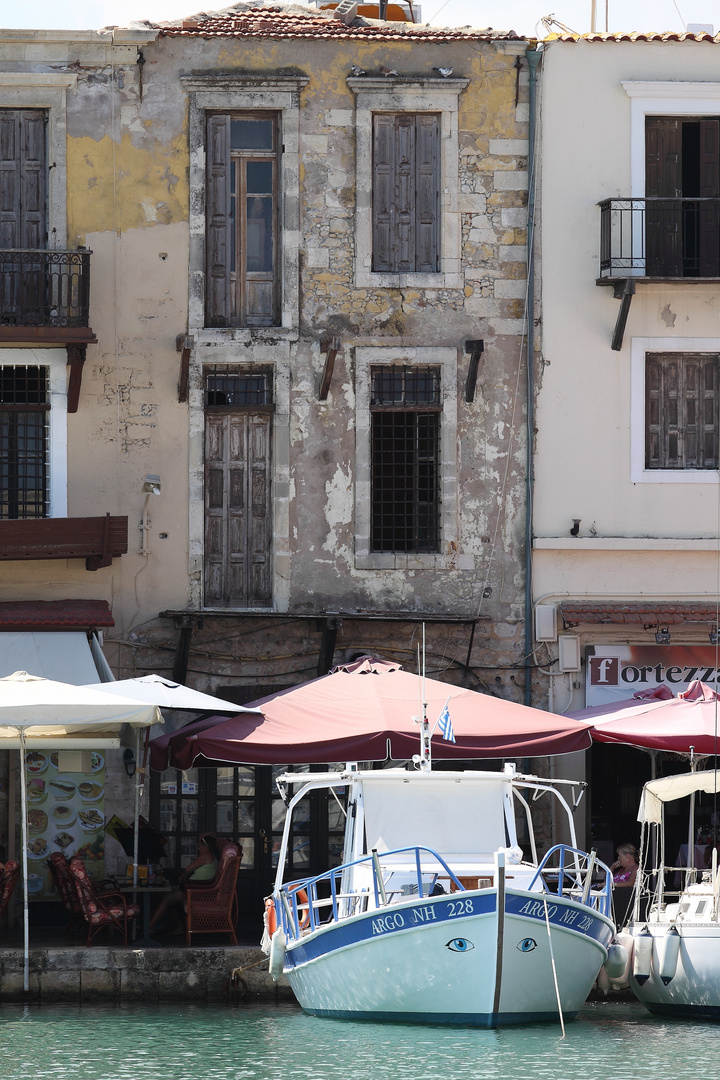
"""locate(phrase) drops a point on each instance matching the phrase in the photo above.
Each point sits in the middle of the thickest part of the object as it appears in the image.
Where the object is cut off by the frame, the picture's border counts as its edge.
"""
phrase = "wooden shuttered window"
(23, 179)
(241, 230)
(406, 192)
(682, 185)
(681, 410)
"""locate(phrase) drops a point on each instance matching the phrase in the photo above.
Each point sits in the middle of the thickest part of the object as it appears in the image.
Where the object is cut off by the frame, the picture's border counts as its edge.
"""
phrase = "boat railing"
(568, 871)
(301, 906)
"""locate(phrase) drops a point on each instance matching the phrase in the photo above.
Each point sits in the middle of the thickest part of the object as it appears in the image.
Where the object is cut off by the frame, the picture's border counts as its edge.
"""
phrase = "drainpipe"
(533, 59)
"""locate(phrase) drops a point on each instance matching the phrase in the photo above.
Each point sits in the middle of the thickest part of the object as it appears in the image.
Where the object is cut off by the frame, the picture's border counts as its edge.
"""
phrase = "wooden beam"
(76, 362)
(475, 348)
(98, 540)
(330, 627)
(184, 344)
(47, 335)
(624, 292)
(331, 347)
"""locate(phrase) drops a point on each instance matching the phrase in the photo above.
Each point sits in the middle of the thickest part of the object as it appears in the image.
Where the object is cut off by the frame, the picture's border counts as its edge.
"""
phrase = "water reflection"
(185, 1042)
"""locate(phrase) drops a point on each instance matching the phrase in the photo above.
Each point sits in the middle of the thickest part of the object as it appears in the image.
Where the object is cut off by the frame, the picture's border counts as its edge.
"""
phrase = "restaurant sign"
(617, 672)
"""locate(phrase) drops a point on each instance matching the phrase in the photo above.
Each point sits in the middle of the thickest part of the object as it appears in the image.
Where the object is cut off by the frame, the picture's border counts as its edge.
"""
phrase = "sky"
(523, 16)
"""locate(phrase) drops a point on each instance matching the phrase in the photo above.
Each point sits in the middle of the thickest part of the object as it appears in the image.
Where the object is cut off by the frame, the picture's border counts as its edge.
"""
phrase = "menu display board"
(66, 812)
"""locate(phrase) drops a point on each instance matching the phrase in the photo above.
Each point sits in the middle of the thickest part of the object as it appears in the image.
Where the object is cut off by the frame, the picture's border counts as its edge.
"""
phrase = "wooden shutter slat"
(663, 179)
(681, 411)
(217, 223)
(406, 192)
(428, 191)
(383, 192)
(708, 218)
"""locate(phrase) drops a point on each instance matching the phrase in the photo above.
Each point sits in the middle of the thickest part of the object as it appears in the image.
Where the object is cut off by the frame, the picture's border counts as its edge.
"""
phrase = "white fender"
(642, 957)
(668, 948)
(616, 960)
(627, 941)
(603, 982)
(277, 954)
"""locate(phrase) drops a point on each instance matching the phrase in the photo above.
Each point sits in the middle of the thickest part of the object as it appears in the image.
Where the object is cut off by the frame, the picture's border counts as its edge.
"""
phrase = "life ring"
(270, 916)
(302, 899)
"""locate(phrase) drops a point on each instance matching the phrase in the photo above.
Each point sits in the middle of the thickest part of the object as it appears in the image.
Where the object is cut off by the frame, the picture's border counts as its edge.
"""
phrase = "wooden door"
(238, 525)
(23, 212)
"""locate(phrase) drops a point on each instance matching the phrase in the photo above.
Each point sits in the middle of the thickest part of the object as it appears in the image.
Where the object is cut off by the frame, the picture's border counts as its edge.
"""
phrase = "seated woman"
(624, 872)
(202, 869)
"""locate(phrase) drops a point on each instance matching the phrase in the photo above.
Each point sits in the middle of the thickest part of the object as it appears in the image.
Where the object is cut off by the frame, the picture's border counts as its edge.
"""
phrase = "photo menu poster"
(66, 812)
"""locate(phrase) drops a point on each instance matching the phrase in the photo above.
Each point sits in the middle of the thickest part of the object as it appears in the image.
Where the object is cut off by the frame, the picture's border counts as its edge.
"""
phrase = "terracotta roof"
(634, 35)
(293, 21)
(637, 614)
(54, 614)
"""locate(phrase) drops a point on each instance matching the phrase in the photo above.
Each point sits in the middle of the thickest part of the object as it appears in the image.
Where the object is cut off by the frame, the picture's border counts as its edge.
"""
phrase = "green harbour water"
(185, 1042)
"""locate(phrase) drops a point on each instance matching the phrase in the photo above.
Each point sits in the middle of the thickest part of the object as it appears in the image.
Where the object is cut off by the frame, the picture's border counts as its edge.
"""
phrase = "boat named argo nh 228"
(435, 915)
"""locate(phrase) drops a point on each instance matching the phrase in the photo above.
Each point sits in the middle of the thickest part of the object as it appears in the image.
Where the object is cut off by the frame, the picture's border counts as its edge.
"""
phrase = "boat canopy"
(449, 813)
(669, 788)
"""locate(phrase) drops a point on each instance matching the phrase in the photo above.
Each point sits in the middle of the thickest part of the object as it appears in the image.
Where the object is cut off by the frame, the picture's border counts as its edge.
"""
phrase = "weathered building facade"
(301, 370)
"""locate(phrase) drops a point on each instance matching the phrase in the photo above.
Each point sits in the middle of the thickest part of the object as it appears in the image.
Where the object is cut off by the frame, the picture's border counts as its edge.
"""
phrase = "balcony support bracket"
(331, 347)
(624, 292)
(76, 361)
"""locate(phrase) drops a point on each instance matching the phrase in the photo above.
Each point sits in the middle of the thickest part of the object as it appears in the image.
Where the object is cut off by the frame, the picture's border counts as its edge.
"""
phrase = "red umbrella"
(365, 712)
(689, 721)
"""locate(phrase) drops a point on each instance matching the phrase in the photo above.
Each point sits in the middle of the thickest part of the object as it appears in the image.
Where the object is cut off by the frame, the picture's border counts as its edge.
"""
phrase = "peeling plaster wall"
(129, 197)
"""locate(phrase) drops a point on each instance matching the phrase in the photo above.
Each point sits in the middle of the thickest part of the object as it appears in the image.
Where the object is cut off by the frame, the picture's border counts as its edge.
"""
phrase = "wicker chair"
(100, 909)
(8, 876)
(212, 908)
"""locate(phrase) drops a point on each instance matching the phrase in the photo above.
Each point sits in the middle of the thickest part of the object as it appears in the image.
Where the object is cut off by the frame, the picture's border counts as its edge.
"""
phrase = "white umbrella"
(36, 712)
(168, 695)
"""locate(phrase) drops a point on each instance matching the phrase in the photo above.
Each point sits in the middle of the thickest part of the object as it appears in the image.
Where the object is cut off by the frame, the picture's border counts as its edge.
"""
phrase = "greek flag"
(445, 725)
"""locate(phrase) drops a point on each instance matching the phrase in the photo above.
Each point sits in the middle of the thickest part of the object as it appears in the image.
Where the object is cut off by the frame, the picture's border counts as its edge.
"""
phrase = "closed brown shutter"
(237, 510)
(708, 219)
(218, 303)
(406, 169)
(681, 411)
(23, 179)
(663, 179)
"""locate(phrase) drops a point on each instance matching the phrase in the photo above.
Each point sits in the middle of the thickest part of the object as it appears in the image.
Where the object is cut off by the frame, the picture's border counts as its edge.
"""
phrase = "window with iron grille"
(24, 412)
(231, 387)
(681, 410)
(405, 458)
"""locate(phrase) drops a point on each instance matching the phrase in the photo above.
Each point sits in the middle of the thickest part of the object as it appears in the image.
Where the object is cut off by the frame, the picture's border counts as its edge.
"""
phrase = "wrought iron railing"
(660, 238)
(44, 288)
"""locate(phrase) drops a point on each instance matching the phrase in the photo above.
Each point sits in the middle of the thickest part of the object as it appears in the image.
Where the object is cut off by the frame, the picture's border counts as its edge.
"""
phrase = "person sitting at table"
(624, 871)
(202, 869)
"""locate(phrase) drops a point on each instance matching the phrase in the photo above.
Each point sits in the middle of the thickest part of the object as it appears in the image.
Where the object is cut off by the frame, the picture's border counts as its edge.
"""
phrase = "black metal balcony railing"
(44, 288)
(660, 238)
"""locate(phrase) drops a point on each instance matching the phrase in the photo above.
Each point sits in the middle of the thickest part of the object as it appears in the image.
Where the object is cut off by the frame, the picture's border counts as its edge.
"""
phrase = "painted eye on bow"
(459, 944)
(527, 944)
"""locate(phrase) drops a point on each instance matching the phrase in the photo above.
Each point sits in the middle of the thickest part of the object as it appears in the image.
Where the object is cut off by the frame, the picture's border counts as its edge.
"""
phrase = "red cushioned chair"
(65, 887)
(8, 876)
(100, 909)
(212, 908)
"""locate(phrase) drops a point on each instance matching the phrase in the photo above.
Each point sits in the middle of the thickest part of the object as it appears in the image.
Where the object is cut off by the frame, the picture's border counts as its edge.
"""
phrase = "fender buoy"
(277, 954)
(302, 900)
(642, 957)
(603, 982)
(616, 960)
(270, 916)
(627, 942)
(668, 948)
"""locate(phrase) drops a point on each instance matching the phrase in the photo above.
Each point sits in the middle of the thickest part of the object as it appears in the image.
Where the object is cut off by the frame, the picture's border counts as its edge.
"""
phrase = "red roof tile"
(276, 21)
(54, 614)
(634, 35)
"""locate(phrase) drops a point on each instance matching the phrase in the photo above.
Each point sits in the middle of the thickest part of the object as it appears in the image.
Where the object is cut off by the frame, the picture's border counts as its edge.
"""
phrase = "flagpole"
(426, 762)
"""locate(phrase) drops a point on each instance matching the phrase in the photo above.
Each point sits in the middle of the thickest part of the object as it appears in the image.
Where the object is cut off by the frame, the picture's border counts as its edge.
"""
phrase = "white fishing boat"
(435, 914)
(674, 932)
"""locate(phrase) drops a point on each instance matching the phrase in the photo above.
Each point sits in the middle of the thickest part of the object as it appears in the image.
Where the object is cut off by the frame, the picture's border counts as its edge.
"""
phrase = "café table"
(146, 892)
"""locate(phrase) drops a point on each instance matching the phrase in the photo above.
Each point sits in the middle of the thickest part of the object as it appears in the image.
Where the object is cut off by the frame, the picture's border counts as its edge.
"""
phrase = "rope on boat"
(554, 970)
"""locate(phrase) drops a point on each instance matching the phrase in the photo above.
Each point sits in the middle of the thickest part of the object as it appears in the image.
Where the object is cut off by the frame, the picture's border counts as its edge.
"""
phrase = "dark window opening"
(24, 445)
(681, 411)
(405, 456)
(230, 388)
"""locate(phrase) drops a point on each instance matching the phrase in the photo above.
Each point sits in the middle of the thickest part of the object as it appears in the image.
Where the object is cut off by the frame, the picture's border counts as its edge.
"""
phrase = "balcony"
(659, 239)
(98, 540)
(45, 297)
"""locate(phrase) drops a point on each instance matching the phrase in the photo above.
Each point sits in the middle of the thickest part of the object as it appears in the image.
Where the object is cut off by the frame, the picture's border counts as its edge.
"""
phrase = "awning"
(670, 788)
(61, 656)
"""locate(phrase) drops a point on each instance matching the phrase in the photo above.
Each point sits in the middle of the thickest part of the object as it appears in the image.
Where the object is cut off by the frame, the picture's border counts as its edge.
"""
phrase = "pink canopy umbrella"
(688, 723)
(365, 712)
